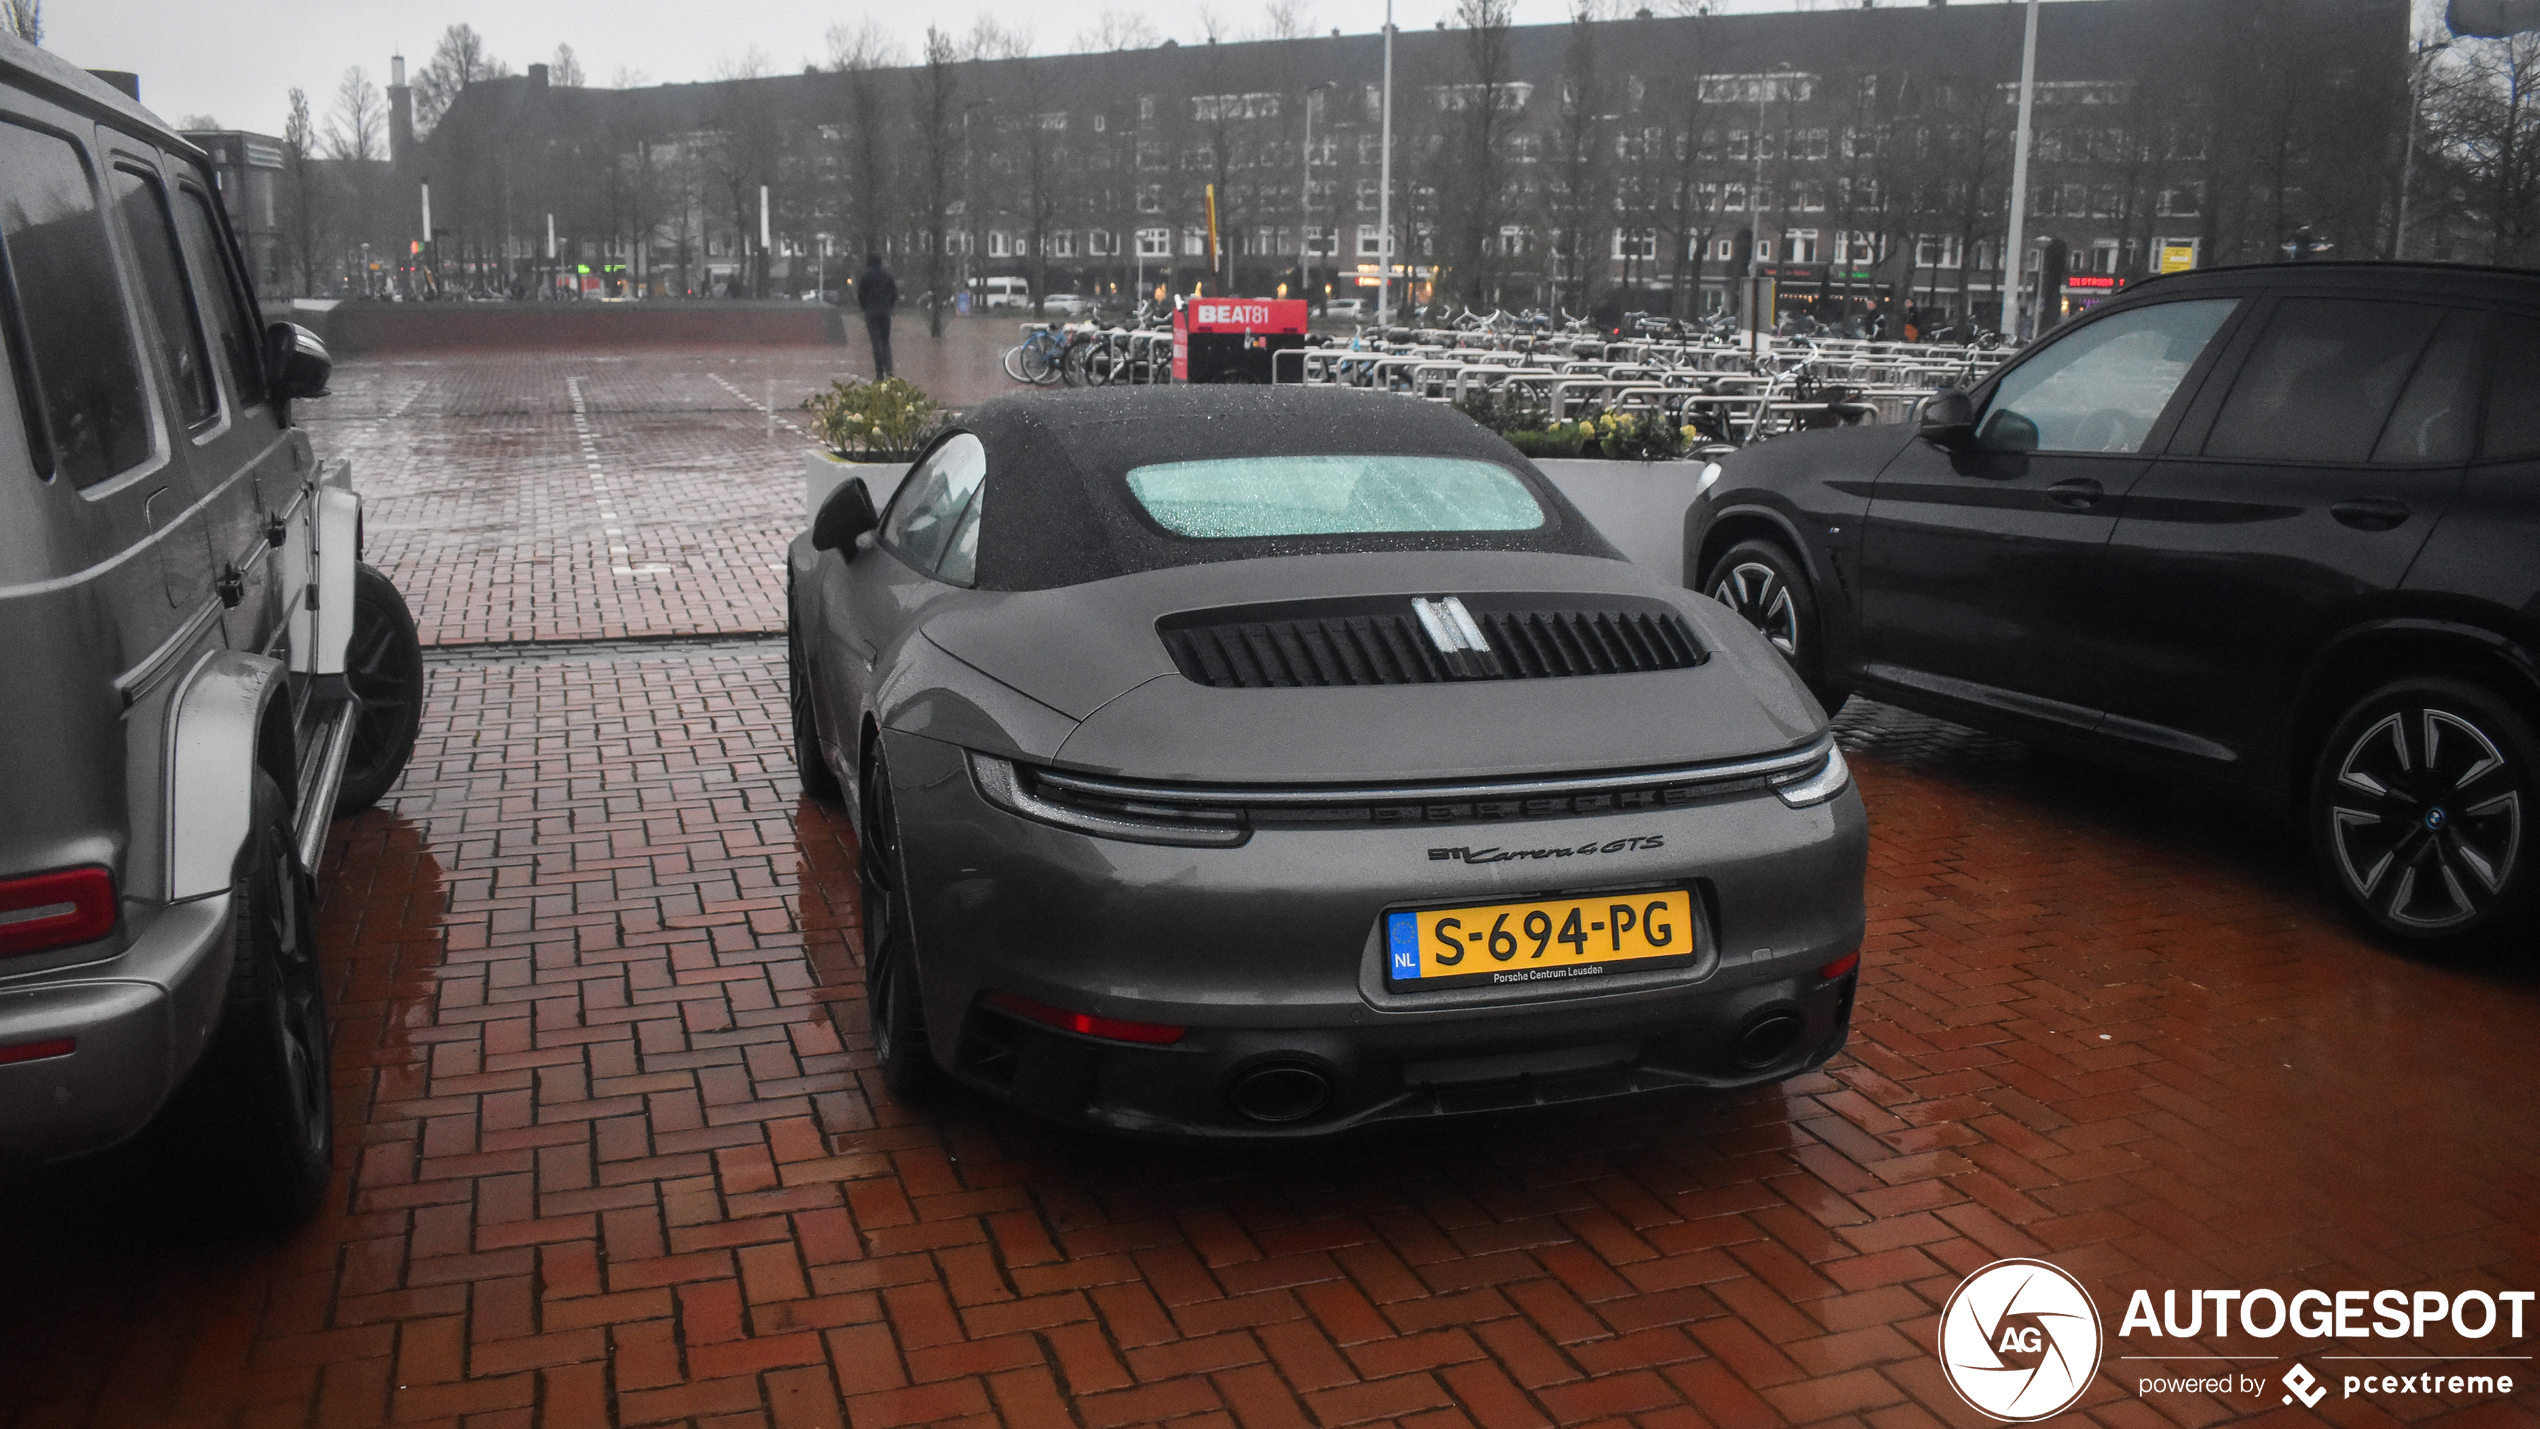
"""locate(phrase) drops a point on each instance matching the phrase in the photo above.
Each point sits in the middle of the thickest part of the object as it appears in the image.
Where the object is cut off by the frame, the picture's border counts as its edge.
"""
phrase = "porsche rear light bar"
(1153, 1034)
(55, 910)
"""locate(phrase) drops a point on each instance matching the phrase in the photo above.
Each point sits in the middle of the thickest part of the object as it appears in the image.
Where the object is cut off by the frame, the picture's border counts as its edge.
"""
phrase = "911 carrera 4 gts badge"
(1457, 637)
(1503, 855)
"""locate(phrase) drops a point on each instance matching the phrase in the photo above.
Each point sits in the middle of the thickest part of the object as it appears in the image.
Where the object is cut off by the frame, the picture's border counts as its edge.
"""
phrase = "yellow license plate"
(1546, 941)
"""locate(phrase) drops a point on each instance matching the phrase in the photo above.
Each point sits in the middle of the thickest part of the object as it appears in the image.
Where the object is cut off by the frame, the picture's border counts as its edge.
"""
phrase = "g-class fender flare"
(221, 725)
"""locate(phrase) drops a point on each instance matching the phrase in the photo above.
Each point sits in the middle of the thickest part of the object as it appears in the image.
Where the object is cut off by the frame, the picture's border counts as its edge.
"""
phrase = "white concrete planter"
(822, 473)
(1639, 505)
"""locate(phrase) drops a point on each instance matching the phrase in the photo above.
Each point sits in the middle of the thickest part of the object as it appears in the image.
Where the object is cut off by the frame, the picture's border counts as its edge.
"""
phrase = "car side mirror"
(1948, 417)
(296, 363)
(2010, 432)
(847, 514)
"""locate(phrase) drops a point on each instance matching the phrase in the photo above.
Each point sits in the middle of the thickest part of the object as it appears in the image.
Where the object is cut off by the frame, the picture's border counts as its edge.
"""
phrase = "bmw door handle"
(2370, 513)
(2079, 493)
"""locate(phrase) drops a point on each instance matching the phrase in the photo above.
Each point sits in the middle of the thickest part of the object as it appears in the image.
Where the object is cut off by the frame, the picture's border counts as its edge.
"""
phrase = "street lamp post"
(1305, 201)
(1384, 184)
(2012, 251)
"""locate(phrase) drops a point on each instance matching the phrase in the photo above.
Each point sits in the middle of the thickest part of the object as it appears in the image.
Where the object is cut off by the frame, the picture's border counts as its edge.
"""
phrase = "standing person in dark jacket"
(876, 294)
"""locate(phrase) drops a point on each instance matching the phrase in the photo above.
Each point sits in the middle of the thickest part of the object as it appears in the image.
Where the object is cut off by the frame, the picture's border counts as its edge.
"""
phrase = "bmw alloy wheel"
(2423, 802)
(1757, 592)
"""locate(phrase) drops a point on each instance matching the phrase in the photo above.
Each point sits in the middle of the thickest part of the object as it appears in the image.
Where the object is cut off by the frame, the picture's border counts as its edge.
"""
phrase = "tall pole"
(2408, 162)
(763, 275)
(2012, 252)
(1384, 188)
(1305, 204)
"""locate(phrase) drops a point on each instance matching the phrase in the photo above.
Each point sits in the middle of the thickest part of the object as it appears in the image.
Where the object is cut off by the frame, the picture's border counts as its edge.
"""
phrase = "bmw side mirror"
(296, 363)
(847, 514)
(1948, 417)
(2010, 432)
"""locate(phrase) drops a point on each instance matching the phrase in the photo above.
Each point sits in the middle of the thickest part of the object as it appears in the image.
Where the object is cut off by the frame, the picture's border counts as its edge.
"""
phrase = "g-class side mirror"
(1948, 417)
(296, 362)
(847, 514)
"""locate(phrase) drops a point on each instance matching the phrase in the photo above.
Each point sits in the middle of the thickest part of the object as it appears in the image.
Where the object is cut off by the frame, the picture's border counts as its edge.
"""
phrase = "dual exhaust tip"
(1276, 1093)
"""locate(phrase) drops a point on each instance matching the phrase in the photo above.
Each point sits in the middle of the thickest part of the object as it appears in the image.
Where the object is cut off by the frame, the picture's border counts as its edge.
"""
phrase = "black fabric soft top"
(1057, 508)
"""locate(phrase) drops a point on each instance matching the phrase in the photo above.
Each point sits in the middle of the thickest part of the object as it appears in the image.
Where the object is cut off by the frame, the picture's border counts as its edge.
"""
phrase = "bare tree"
(1578, 191)
(2483, 122)
(565, 69)
(308, 205)
(24, 19)
(355, 128)
(1286, 20)
(459, 61)
(1119, 30)
(1472, 180)
(866, 139)
(938, 123)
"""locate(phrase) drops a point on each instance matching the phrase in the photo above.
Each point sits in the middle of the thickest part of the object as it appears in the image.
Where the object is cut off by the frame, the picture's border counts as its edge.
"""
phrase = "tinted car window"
(70, 333)
(2437, 412)
(931, 500)
(2101, 389)
(2321, 381)
(163, 284)
(2513, 417)
(1235, 497)
(223, 296)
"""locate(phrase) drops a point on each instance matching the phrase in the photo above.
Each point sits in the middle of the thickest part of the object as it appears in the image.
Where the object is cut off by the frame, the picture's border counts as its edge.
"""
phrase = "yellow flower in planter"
(874, 421)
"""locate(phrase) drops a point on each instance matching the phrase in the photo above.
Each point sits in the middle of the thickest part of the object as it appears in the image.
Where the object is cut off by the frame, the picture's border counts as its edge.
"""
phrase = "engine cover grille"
(1405, 640)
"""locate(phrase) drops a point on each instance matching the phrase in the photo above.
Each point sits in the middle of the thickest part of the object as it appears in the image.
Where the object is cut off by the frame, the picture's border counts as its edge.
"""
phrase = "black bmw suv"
(2273, 527)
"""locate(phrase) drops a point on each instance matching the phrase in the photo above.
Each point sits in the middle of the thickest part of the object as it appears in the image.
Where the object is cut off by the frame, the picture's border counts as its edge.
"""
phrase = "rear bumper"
(136, 1025)
(1272, 956)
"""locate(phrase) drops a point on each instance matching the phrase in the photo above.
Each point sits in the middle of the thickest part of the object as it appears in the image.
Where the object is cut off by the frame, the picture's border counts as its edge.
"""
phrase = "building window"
(1155, 242)
(1062, 244)
(1370, 242)
(1636, 243)
(1803, 244)
(998, 246)
(1512, 240)
(1194, 243)
(1725, 249)
(1102, 243)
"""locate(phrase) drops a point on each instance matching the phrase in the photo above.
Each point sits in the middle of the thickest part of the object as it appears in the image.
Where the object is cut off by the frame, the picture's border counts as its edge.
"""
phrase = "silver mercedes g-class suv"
(201, 673)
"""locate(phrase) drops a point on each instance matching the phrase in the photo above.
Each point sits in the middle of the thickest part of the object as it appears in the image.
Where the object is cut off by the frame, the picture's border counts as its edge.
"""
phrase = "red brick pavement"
(612, 1152)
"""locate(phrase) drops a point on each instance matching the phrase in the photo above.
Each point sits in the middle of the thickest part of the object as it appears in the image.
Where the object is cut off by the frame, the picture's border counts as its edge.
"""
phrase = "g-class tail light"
(55, 910)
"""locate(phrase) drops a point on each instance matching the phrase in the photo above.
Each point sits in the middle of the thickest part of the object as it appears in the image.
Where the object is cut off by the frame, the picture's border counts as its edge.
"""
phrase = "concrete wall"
(1639, 505)
(363, 328)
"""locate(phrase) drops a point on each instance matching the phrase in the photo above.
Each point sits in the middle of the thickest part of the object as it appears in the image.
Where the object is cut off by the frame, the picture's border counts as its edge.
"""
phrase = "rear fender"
(228, 715)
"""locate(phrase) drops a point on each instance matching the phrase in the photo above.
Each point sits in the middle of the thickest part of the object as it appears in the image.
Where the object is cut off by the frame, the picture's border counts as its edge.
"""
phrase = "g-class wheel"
(383, 664)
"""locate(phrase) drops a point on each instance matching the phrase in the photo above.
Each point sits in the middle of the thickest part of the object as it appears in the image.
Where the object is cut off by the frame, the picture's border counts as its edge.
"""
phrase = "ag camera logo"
(2019, 1341)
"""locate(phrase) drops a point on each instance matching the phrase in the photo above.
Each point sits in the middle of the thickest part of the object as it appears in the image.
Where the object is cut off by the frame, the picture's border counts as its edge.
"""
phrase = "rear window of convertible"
(1233, 498)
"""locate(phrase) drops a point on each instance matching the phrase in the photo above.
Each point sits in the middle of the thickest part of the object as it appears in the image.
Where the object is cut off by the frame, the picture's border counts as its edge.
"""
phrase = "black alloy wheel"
(817, 780)
(893, 1000)
(383, 666)
(2417, 810)
(1763, 583)
(252, 1129)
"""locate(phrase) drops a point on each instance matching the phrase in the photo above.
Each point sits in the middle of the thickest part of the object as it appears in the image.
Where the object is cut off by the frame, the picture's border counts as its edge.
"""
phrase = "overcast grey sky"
(237, 61)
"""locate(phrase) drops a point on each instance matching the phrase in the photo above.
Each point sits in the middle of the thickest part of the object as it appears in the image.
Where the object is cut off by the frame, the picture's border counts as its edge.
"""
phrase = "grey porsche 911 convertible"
(1243, 762)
